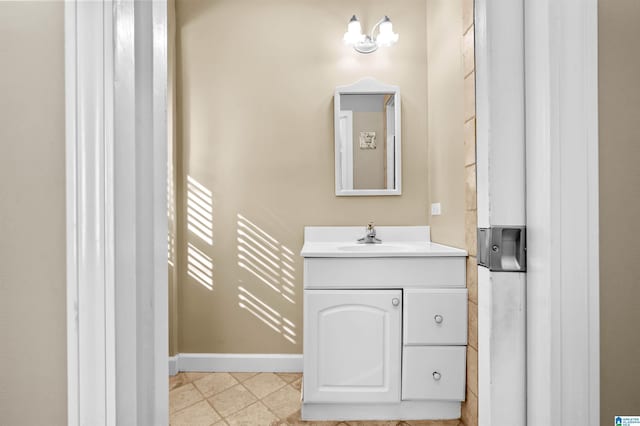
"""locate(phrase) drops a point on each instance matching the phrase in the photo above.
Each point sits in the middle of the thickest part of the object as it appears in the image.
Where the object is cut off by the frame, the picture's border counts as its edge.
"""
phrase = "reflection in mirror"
(367, 139)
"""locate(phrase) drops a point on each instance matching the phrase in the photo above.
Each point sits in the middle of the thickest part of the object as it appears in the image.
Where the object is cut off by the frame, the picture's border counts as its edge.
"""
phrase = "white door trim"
(116, 154)
(561, 40)
(90, 291)
(500, 165)
(556, 41)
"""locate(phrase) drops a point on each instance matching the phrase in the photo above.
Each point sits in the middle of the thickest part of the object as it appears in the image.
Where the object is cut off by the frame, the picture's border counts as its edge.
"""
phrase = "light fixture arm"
(376, 26)
(368, 43)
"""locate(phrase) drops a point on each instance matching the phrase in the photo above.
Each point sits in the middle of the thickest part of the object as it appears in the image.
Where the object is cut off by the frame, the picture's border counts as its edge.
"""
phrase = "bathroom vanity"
(385, 325)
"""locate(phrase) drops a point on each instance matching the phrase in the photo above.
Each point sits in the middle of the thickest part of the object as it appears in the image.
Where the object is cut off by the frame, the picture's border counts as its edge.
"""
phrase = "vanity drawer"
(435, 373)
(435, 317)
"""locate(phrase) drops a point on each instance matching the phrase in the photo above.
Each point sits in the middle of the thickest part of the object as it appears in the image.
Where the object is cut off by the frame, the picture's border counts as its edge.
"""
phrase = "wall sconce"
(370, 43)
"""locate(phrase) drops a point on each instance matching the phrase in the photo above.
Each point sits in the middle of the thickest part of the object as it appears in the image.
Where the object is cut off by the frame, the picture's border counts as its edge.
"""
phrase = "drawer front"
(435, 317)
(435, 373)
(381, 272)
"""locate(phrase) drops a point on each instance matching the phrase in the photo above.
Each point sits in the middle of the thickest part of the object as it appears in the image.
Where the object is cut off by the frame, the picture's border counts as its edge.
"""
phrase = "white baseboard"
(173, 365)
(277, 363)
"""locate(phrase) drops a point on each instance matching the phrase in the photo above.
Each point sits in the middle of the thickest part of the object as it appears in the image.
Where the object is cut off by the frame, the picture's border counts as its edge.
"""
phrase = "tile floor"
(249, 399)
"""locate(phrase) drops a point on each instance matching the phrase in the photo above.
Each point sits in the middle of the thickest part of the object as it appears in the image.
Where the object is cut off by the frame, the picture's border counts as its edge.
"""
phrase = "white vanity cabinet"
(352, 345)
(385, 326)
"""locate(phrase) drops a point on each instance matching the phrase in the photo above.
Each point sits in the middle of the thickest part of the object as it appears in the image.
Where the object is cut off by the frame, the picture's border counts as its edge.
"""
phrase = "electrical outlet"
(435, 209)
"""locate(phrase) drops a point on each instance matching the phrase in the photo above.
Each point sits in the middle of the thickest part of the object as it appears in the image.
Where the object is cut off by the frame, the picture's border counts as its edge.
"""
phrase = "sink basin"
(374, 248)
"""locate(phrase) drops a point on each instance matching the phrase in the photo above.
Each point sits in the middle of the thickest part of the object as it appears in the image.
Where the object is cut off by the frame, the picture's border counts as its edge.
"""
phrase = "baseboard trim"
(276, 363)
(173, 365)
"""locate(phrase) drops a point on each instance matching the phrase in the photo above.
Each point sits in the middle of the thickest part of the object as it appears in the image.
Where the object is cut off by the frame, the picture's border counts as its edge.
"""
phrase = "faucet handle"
(370, 226)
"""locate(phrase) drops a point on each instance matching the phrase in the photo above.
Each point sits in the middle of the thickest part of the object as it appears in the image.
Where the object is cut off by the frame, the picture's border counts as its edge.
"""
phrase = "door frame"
(554, 43)
(563, 343)
(560, 37)
(116, 228)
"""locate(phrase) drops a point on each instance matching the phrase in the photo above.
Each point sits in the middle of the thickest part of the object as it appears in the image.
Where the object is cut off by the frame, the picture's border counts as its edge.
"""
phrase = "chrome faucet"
(370, 236)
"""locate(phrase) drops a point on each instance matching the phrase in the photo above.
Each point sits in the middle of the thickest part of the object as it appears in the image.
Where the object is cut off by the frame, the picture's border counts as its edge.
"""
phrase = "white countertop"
(397, 241)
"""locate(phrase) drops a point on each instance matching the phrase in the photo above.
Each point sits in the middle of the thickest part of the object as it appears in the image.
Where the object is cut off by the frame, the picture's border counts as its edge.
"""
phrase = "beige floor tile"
(289, 377)
(183, 397)
(295, 420)
(297, 384)
(199, 414)
(241, 377)
(178, 380)
(263, 384)
(232, 400)
(195, 375)
(283, 402)
(253, 415)
(214, 383)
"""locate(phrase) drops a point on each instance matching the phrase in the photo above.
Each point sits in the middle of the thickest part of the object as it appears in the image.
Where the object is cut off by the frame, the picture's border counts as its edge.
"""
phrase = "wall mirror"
(367, 138)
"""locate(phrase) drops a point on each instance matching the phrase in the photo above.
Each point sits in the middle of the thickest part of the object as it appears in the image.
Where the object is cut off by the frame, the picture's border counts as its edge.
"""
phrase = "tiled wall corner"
(467, 15)
(470, 142)
(470, 409)
(472, 279)
(469, 96)
(468, 59)
(470, 187)
(470, 406)
(470, 234)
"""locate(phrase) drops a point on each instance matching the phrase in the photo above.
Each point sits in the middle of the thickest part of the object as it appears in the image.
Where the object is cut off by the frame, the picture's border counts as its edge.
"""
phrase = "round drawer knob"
(438, 319)
(395, 301)
(436, 375)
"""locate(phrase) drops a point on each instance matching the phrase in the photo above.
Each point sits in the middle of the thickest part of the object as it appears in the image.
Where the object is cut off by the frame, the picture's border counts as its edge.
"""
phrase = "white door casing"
(563, 346)
(501, 202)
(116, 212)
(551, 48)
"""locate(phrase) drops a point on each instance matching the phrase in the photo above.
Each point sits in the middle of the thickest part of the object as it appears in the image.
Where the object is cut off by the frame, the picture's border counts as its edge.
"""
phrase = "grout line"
(466, 30)
(471, 392)
(188, 406)
(216, 411)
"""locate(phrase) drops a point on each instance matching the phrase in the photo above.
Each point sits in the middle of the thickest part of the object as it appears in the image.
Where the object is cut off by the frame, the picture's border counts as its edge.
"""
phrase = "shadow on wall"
(199, 224)
(270, 263)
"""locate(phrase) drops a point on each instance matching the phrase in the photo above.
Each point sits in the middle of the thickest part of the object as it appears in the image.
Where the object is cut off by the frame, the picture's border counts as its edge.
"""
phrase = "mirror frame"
(368, 85)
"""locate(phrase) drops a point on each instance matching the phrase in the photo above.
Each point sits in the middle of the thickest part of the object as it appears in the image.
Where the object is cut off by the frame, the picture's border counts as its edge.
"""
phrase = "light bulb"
(386, 36)
(354, 32)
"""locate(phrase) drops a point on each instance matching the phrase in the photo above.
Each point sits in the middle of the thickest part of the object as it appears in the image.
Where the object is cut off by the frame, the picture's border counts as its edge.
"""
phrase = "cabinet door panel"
(352, 345)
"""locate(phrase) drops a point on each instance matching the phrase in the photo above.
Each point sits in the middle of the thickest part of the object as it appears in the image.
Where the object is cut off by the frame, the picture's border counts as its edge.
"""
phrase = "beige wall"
(33, 372)
(255, 84)
(619, 110)
(445, 120)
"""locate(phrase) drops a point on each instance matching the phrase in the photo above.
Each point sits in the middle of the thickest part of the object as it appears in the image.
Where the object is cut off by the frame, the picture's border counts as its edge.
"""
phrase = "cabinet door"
(352, 344)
